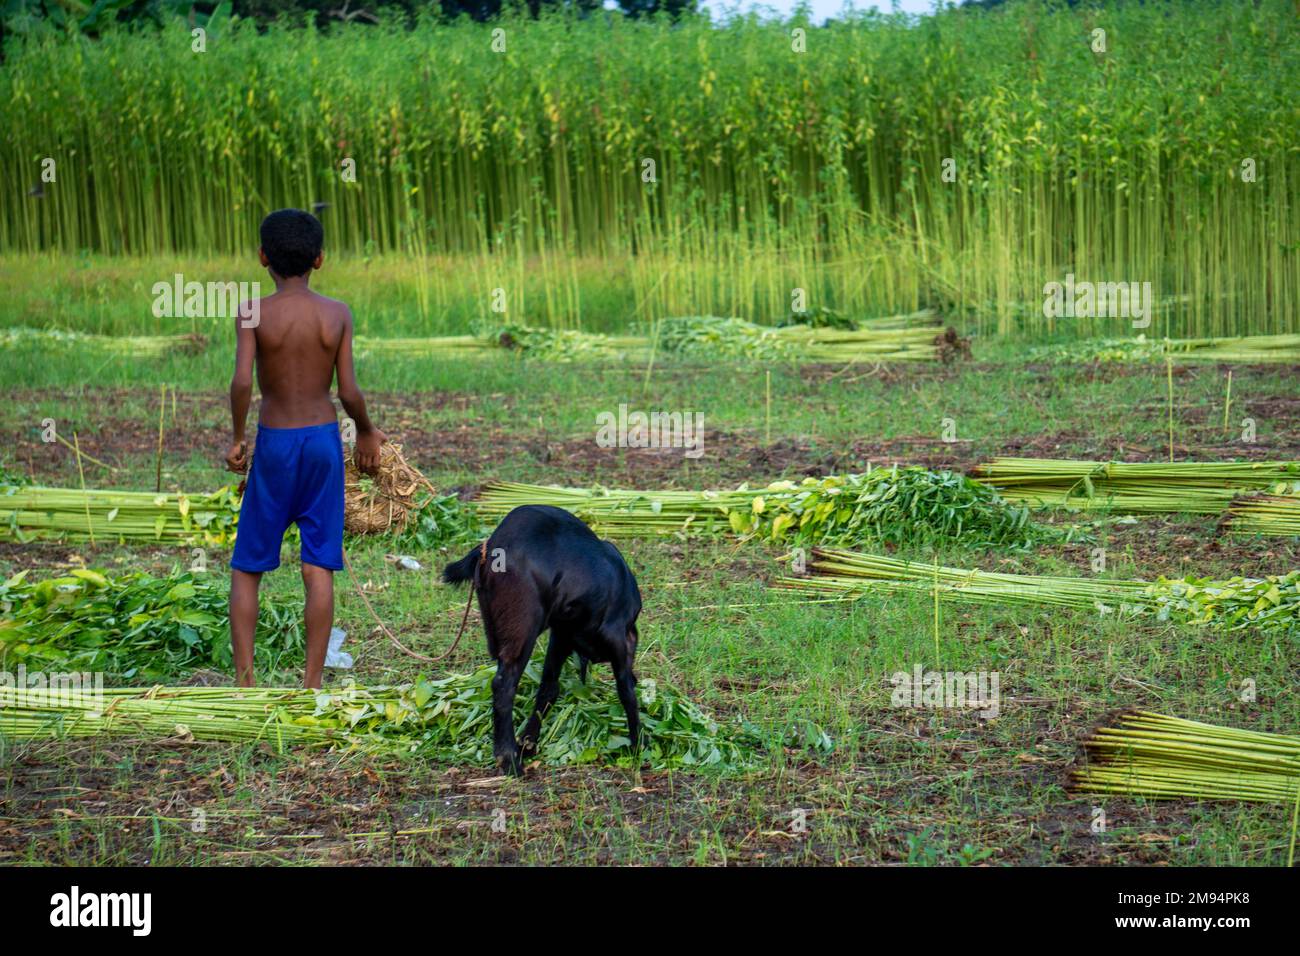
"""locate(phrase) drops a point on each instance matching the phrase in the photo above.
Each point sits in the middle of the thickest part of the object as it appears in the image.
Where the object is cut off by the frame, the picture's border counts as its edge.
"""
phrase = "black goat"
(543, 568)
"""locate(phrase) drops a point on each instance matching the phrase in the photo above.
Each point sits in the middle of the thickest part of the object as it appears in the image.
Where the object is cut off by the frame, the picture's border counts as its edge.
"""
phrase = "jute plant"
(911, 166)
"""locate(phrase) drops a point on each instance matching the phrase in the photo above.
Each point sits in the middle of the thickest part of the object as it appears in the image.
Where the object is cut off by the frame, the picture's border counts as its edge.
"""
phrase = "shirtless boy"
(299, 341)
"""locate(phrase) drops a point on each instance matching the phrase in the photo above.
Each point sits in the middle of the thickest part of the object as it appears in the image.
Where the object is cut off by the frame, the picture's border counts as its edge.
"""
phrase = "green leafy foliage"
(710, 336)
(439, 521)
(1238, 602)
(451, 718)
(31, 16)
(553, 345)
(896, 506)
(135, 627)
(11, 477)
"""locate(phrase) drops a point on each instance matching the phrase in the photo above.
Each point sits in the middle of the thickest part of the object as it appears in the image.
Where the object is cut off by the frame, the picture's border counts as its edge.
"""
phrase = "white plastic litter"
(334, 656)
(404, 561)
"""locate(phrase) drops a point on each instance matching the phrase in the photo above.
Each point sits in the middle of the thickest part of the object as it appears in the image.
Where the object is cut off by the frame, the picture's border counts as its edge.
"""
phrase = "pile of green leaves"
(10, 477)
(1238, 602)
(440, 521)
(1139, 349)
(551, 345)
(709, 336)
(898, 506)
(821, 317)
(135, 627)
(451, 719)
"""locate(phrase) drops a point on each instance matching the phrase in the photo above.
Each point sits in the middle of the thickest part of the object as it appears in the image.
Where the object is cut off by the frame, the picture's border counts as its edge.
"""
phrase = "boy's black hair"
(292, 240)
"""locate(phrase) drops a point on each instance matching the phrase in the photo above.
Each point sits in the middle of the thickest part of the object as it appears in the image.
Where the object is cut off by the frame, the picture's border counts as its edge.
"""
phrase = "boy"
(299, 341)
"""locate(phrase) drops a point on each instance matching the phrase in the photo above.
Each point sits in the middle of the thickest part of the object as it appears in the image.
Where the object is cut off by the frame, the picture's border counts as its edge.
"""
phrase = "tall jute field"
(928, 577)
(605, 171)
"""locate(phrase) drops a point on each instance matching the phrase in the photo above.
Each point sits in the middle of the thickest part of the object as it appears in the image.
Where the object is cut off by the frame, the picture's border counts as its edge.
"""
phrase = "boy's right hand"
(367, 451)
(237, 457)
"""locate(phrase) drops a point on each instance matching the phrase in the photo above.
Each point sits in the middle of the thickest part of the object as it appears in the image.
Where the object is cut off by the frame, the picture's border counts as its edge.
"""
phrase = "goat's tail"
(463, 570)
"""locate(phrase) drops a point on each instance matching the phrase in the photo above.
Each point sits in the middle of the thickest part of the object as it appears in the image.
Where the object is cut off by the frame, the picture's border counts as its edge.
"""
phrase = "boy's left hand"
(367, 450)
(237, 457)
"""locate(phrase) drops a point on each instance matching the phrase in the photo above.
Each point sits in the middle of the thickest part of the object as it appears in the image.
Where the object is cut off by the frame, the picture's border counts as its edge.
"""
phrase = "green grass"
(823, 170)
(922, 787)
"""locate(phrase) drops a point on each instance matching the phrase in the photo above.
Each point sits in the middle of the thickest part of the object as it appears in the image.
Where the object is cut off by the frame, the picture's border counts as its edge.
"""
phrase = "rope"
(393, 637)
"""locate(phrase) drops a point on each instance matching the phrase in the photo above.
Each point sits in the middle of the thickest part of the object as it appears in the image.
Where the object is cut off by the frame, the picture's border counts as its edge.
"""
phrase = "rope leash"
(393, 637)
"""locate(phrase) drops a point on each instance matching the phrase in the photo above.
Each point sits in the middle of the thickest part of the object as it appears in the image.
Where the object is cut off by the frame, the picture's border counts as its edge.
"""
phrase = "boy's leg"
(319, 584)
(319, 515)
(243, 622)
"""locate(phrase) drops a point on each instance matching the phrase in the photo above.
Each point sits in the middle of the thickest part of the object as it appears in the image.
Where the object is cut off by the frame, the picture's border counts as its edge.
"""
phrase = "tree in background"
(90, 16)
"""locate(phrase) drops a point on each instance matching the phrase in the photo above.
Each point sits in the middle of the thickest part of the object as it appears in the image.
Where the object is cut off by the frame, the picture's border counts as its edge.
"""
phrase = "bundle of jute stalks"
(134, 346)
(373, 504)
(30, 511)
(918, 336)
(1270, 602)
(1151, 755)
(885, 505)
(1244, 350)
(1265, 514)
(1190, 487)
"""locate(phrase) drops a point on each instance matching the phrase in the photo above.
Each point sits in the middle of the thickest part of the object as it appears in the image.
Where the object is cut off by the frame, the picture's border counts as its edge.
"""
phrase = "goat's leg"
(623, 651)
(622, 644)
(557, 652)
(512, 632)
(625, 681)
(504, 686)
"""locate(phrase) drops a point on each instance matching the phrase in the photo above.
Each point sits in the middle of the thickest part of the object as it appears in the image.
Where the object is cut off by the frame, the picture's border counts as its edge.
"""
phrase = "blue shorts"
(296, 478)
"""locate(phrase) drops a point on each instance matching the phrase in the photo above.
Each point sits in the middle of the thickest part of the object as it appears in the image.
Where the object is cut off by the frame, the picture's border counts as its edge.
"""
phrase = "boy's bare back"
(298, 340)
(299, 343)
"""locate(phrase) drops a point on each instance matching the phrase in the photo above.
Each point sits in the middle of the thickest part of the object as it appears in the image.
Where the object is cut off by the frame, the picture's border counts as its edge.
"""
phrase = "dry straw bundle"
(373, 505)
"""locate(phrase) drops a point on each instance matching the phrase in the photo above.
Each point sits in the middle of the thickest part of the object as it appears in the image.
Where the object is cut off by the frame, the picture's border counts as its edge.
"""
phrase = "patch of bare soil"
(104, 799)
(1274, 407)
(1175, 546)
(71, 803)
(52, 556)
(197, 427)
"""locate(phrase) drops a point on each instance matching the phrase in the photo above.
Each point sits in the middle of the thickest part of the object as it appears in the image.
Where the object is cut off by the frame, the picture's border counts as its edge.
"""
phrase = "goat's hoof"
(511, 764)
(527, 749)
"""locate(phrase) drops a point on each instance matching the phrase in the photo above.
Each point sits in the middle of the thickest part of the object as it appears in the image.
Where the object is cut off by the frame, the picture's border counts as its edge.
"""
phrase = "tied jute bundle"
(384, 501)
